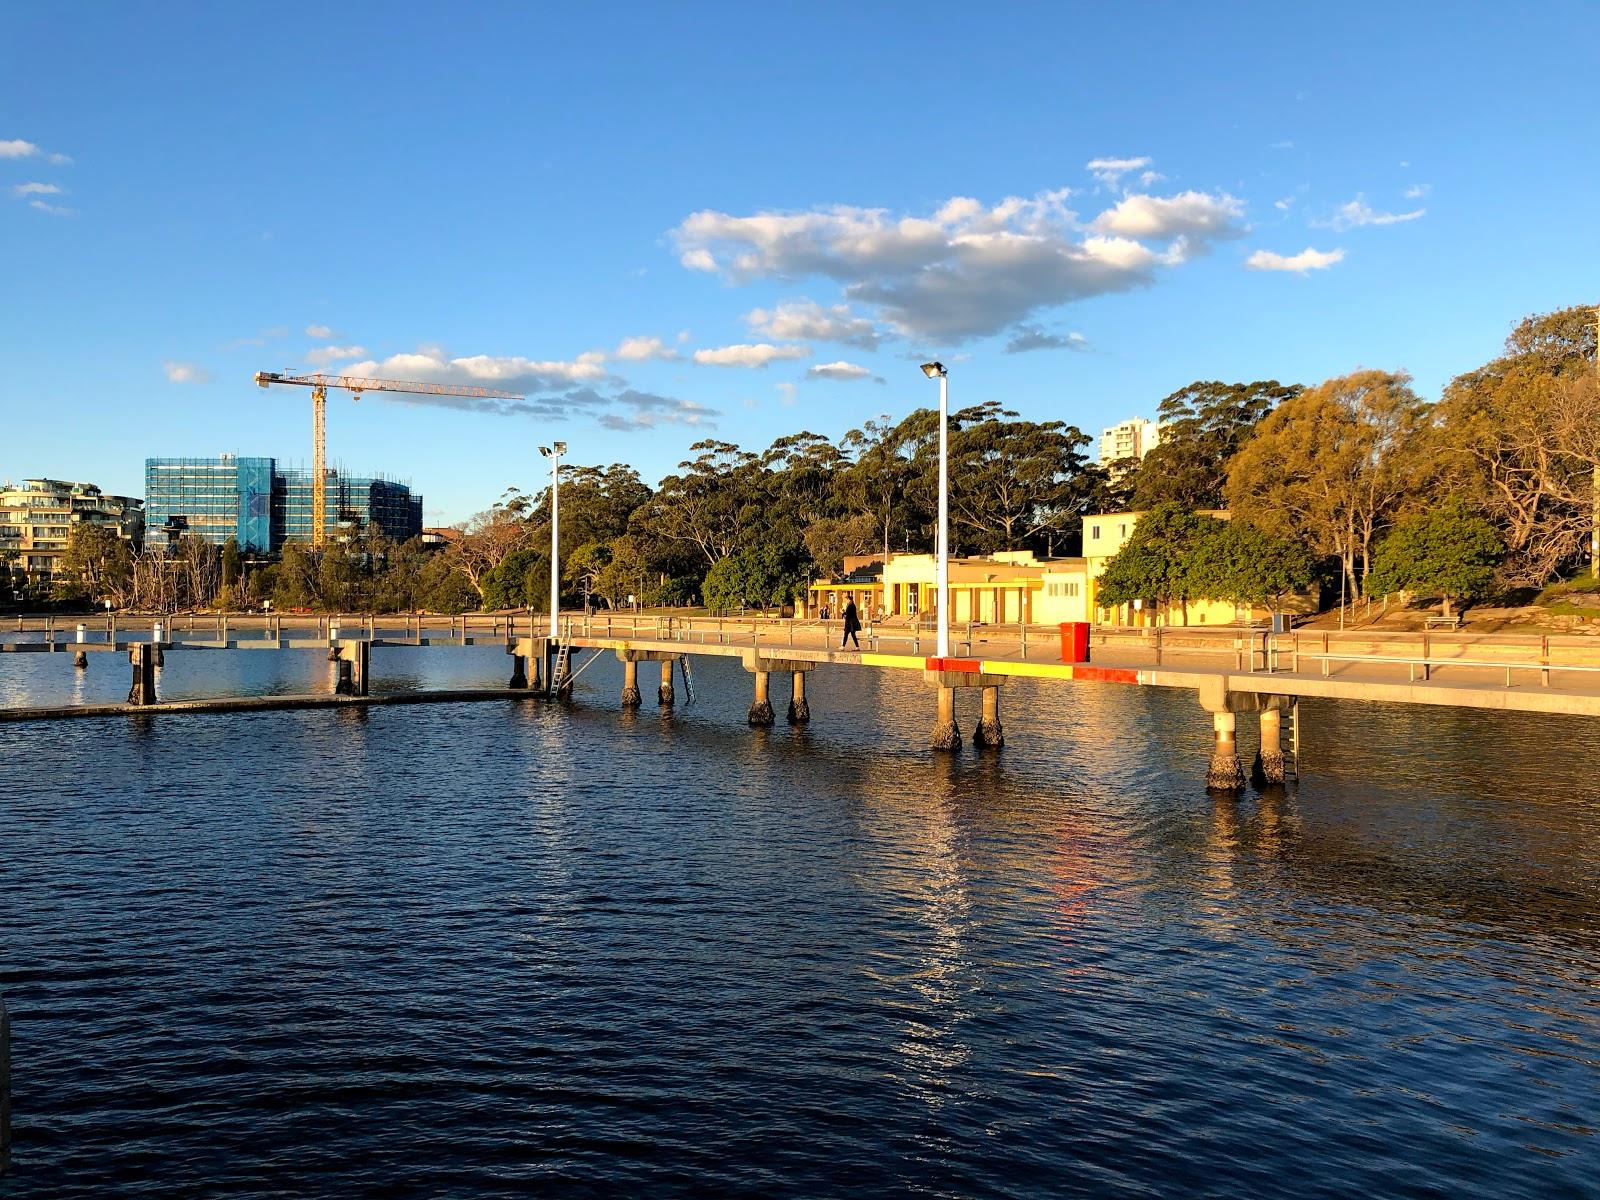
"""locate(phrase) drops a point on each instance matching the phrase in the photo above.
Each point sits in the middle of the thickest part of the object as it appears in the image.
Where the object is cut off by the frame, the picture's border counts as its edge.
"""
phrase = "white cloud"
(1281, 146)
(326, 354)
(1357, 213)
(698, 259)
(35, 189)
(1284, 204)
(1195, 215)
(505, 373)
(1036, 337)
(786, 393)
(319, 331)
(808, 320)
(968, 270)
(841, 371)
(744, 355)
(55, 210)
(1418, 190)
(1110, 171)
(185, 372)
(1307, 260)
(641, 349)
(17, 148)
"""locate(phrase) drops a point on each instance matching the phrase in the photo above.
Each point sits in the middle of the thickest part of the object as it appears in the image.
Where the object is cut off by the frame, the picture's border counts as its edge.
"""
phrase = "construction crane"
(355, 385)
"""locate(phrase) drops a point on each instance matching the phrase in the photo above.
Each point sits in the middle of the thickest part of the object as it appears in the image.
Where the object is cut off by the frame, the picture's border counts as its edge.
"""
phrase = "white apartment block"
(1133, 438)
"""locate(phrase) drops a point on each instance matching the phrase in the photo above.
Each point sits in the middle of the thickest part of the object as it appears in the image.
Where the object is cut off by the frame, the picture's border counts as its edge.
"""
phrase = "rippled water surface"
(510, 949)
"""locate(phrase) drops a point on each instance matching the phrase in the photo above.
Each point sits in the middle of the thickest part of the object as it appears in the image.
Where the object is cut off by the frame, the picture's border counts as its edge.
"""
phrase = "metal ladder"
(561, 673)
(688, 677)
(1291, 766)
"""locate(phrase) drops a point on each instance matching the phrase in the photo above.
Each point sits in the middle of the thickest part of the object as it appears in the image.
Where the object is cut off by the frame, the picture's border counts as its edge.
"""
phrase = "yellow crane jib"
(319, 384)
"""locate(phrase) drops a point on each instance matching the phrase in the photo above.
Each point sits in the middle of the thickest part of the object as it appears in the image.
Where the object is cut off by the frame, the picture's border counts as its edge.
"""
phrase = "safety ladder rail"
(688, 677)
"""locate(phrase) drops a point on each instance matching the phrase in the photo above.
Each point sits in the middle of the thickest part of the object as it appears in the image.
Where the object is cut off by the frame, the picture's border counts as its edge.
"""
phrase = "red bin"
(1075, 641)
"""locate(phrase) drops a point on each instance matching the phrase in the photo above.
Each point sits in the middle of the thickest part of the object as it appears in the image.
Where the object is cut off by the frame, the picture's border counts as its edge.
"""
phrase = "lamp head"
(545, 450)
(934, 369)
(561, 447)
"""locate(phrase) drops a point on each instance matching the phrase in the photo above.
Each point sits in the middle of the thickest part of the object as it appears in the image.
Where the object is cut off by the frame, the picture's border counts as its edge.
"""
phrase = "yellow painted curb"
(903, 661)
(1031, 670)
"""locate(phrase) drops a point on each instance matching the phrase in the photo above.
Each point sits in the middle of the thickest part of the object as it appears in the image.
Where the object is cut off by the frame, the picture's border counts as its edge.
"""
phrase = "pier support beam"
(519, 665)
(989, 731)
(664, 694)
(143, 690)
(761, 707)
(1224, 774)
(946, 733)
(81, 660)
(1267, 771)
(630, 684)
(799, 710)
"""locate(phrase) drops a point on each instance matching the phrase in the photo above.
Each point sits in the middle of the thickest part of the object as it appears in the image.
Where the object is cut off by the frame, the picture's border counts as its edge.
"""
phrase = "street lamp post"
(554, 455)
(935, 370)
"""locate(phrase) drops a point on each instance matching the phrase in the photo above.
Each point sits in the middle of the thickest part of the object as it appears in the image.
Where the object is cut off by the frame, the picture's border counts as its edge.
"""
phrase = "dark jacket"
(852, 620)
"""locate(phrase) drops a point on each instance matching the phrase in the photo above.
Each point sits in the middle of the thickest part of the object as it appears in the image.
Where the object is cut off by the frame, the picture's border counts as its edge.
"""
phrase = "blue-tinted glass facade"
(252, 500)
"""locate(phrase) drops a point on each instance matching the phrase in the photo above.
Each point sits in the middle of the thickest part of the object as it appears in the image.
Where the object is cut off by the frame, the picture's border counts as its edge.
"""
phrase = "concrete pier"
(1224, 774)
(946, 733)
(989, 731)
(761, 706)
(143, 658)
(799, 710)
(520, 651)
(1268, 769)
(665, 696)
(630, 684)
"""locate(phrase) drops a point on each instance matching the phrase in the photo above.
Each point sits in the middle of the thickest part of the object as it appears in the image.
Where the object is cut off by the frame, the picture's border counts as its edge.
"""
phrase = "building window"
(1094, 532)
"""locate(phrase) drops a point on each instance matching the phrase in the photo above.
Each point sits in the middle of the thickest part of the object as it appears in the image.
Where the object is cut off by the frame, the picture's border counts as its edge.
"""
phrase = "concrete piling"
(1224, 774)
(1268, 769)
(946, 733)
(799, 710)
(519, 671)
(81, 660)
(630, 684)
(664, 694)
(143, 690)
(761, 707)
(355, 662)
(989, 731)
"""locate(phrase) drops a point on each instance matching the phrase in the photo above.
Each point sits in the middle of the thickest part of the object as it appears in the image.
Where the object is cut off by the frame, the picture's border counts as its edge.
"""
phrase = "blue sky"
(664, 222)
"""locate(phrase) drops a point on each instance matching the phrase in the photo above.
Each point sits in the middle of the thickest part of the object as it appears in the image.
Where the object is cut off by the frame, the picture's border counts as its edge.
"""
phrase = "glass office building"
(264, 506)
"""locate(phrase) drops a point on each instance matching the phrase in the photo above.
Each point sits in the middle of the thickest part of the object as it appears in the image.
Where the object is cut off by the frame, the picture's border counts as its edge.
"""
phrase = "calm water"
(499, 949)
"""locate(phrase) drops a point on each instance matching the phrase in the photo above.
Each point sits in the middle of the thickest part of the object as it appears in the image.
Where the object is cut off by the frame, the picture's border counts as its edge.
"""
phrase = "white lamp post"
(555, 534)
(935, 370)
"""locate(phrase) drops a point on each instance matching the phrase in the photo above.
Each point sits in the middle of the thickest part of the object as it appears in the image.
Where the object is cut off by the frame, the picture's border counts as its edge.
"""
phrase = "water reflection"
(634, 949)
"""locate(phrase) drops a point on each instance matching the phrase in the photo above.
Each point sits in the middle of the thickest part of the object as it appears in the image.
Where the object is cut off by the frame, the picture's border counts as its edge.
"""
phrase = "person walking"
(852, 622)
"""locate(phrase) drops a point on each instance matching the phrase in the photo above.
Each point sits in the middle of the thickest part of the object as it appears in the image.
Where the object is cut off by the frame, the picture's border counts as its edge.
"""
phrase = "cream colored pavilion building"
(1010, 586)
